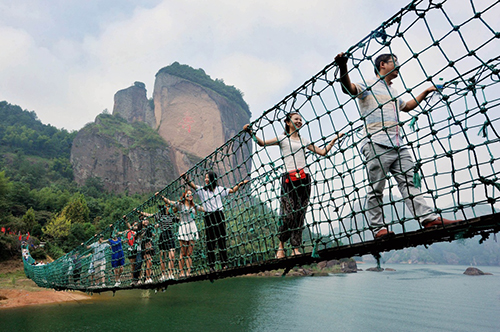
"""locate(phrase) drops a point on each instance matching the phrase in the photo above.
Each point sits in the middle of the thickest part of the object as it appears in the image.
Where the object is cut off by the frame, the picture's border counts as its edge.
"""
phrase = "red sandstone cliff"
(193, 121)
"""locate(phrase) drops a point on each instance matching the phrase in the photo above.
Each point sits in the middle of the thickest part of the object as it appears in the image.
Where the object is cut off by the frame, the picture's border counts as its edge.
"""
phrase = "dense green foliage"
(138, 132)
(37, 191)
(8, 246)
(200, 77)
(22, 131)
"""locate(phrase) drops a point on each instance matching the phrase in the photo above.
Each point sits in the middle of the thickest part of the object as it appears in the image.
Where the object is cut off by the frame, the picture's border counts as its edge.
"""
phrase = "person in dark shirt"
(145, 235)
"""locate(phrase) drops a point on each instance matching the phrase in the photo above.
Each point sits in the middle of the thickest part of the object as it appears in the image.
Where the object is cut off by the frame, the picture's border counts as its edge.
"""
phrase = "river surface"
(412, 298)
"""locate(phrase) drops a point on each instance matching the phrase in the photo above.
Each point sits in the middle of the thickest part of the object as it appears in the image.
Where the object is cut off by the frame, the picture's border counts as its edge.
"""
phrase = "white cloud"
(17, 45)
(266, 49)
(30, 75)
(17, 10)
(263, 84)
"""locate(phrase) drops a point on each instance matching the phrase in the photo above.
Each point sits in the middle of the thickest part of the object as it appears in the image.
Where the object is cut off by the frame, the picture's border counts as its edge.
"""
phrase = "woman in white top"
(215, 222)
(188, 232)
(295, 183)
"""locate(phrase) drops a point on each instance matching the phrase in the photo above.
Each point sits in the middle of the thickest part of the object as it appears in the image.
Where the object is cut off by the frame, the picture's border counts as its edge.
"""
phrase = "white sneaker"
(162, 278)
(149, 281)
(118, 284)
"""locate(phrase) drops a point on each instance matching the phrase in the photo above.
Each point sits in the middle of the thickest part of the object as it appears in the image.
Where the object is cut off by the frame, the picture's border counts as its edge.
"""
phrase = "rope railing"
(261, 201)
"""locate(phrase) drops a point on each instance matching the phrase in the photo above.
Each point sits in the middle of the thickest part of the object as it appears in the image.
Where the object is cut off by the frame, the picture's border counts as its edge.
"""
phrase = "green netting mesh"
(452, 137)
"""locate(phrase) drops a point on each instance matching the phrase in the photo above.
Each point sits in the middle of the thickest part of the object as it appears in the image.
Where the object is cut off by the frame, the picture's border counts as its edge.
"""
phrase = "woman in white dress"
(188, 232)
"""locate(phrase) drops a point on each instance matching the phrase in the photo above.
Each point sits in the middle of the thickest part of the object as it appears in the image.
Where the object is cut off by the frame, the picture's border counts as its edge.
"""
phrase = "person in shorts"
(97, 268)
(117, 256)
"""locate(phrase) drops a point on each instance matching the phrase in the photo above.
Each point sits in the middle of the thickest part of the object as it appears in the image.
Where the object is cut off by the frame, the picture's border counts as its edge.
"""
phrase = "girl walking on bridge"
(188, 232)
(296, 182)
(215, 222)
(165, 221)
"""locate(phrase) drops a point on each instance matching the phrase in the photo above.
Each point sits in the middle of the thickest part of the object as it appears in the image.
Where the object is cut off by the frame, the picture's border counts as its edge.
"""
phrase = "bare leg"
(281, 251)
(149, 263)
(189, 251)
(181, 258)
(163, 256)
(171, 261)
(103, 274)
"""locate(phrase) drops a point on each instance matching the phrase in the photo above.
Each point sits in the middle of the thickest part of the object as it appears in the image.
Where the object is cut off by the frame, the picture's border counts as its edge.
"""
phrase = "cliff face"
(121, 160)
(193, 119)
(132, 104)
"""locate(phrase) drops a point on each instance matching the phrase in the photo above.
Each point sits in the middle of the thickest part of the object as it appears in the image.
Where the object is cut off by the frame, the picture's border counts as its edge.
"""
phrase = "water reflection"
(412, 298)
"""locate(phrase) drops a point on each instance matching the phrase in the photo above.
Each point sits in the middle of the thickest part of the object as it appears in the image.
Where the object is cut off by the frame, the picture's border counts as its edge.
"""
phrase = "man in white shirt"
(382, 146)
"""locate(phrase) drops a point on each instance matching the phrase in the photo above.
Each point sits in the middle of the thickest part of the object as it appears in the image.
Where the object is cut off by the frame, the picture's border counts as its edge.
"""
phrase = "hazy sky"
(65, 59)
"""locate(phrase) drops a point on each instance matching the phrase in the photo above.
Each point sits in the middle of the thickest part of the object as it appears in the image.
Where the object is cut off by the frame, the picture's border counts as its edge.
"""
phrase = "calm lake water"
(413, 298)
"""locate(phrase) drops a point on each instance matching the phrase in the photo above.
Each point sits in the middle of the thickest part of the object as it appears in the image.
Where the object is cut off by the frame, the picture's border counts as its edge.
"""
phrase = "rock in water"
(473, 271)
(375, 269)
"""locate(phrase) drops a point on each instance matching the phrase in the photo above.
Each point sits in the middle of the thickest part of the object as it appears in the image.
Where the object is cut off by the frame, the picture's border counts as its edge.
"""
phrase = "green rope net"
(452, 137)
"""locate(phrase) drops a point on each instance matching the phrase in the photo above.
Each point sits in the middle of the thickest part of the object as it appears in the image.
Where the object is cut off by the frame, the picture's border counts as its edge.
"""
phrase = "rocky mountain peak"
(192, 114)
(133, 105)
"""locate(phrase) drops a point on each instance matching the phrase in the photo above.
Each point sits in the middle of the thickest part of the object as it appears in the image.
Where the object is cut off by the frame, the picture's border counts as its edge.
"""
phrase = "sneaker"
(103, 285)
(162, 278)
(171, 277)
(148, 281)
(138, 283)
(118, 284)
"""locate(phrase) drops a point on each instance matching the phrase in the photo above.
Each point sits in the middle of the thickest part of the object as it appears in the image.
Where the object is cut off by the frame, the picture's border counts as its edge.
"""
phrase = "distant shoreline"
(17, 298)
(17, 291)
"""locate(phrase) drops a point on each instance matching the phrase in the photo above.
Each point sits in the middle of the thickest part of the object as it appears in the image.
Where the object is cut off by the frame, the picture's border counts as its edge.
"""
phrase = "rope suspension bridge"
(192, 230)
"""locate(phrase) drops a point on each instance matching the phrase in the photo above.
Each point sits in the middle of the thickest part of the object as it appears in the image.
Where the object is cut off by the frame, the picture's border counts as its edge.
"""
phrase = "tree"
(8, 246)
(79, 233)
(5, 188)
(63, 167)
(58, 228)
(77, 211)
(93, 187)
(50, 199)
(29, 220)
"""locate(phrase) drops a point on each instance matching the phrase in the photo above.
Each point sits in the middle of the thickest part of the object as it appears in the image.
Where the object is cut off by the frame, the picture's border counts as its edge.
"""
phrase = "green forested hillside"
(21, 130)
(37, 191)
